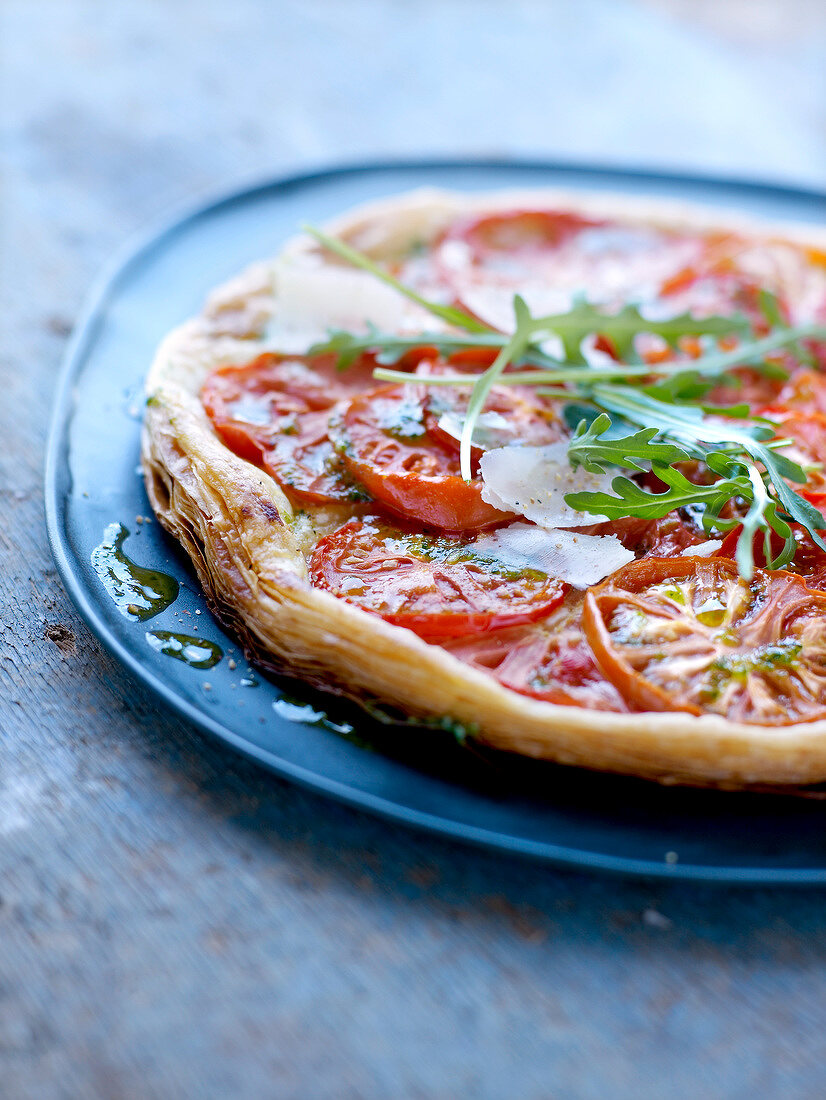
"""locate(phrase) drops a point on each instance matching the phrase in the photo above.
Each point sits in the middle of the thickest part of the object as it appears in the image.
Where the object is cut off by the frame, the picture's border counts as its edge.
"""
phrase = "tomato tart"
(547, 467)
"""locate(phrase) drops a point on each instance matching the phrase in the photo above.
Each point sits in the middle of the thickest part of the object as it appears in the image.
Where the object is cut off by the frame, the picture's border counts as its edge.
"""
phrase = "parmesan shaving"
(313, 299)
(490, 430)
(702, 549)
(494, 305)
(579, 559)
(534, 481)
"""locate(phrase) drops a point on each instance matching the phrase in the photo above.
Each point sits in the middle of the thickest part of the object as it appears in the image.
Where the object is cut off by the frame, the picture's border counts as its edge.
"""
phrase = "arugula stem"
(705, 365)
(481, 389)
(531, 378)
(753, 351)
(453, 316)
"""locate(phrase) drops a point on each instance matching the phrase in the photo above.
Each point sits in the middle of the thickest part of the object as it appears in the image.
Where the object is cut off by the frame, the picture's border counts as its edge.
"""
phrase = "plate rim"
(56, 498)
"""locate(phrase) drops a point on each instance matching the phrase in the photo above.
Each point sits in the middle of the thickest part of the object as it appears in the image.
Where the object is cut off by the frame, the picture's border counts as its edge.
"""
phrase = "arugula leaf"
(762, 515)
(590, 449)
(769, 305)
(687, 422)
(632, 500)
(685, 388)
(745, 450)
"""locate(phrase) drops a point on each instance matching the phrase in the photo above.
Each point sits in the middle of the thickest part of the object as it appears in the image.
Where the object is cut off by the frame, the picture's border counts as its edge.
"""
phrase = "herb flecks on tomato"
(436, 586)
(387, 447)
(275, 412)
(551, 663)
(690, 635)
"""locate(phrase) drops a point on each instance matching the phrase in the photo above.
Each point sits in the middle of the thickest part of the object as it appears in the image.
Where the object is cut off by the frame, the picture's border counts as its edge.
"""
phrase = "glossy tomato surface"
(689, 634)
(275, 412)
(437, 586)
(550, 662)
(549, 255)
(387, 447)
(809, 558)
(805, 392)
(510, 416)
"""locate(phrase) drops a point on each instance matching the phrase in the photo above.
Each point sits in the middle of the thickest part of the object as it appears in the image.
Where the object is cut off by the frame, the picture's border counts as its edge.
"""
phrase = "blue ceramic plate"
(424, 778)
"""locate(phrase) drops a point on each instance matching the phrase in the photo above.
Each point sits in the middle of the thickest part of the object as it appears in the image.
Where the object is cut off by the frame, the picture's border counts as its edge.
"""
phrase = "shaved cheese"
(490, 430)
(534, 482)
(494, 305)
(579, 559)
(702, 549)
(313, 299)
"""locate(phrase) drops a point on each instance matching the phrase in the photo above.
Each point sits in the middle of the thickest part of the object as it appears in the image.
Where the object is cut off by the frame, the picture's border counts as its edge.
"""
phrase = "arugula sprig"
(748, 469)
(747, 459)
(389, 348)
(663, 401)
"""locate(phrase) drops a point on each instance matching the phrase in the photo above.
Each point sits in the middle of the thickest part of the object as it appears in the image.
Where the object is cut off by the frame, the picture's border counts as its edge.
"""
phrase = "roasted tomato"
(808, 434)
(553, 664)
(662, 538)
(809, 560)
(305, 463)
(499, 240)
(724, 282)
(386, 446)
(253, 404)
(549, 255)
(508, 417)
(716, 287)
(275, 411)
(805, 392)
(437, 587)
(688, 634)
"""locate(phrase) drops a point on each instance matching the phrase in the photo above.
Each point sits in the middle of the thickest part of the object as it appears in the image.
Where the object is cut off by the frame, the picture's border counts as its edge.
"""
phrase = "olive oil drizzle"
(137, 592)
(195, 652)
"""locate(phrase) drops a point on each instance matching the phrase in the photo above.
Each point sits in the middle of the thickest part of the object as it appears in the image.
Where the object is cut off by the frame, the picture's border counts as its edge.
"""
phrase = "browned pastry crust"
(250, 550)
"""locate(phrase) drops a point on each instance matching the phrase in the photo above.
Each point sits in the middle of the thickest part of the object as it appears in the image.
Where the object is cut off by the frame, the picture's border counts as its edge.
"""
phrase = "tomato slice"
(715, 286)
(386, 446)
(508, 417)
(549, 255)
(555, 665)
(688, 634)
(809, 560)
(253, 404)
(495, 239)
(662, 538)
(433, 585)
(808, 432)
(307, 465)
(275, 410)
(804, 392)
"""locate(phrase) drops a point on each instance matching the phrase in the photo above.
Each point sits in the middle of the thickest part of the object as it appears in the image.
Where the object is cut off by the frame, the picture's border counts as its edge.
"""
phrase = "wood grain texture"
(173, 921)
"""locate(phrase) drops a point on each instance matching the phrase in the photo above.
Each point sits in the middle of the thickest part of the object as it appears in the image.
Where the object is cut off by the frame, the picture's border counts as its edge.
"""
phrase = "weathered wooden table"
(175, 922)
